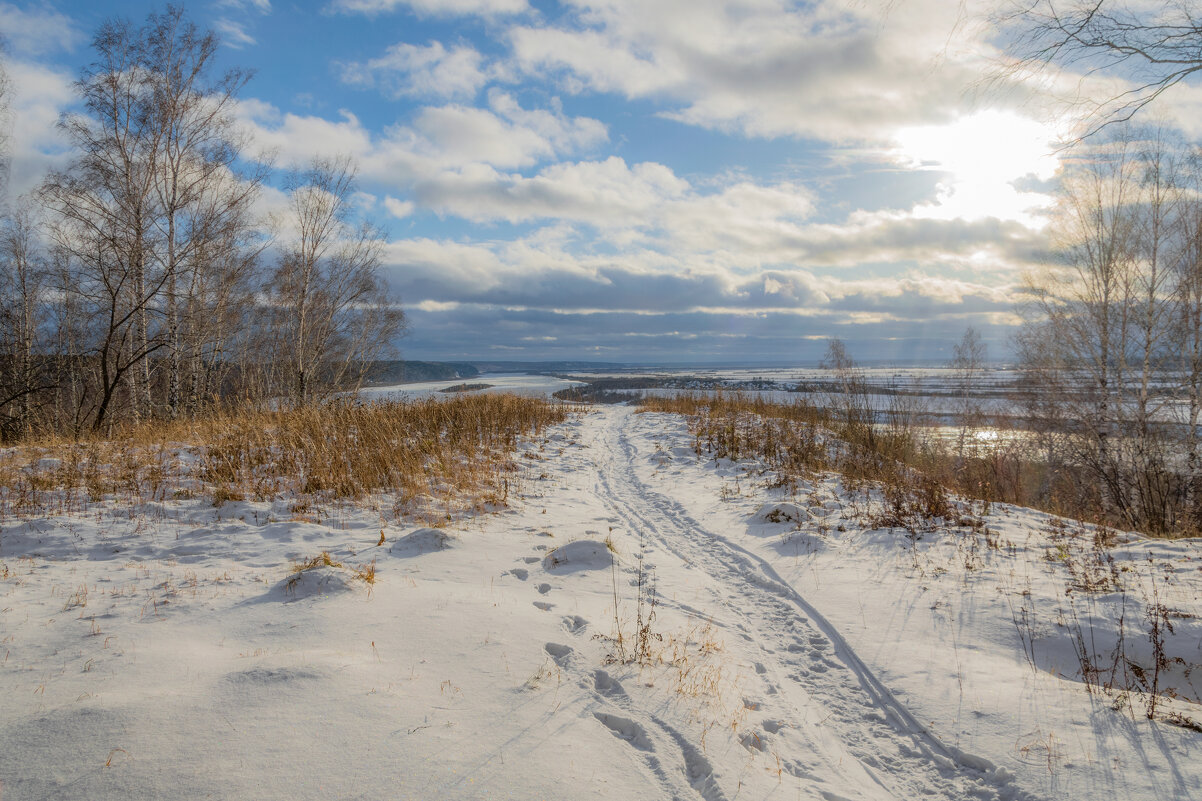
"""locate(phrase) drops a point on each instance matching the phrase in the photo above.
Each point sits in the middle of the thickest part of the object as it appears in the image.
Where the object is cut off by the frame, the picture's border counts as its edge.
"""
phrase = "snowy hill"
(643, 622)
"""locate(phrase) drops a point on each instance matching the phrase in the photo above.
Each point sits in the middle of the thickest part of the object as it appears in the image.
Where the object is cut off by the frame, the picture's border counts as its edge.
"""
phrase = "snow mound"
(799, 543)
(315, 582)
(273, 676)
(781, 513)
(423, 540)
(579, 555)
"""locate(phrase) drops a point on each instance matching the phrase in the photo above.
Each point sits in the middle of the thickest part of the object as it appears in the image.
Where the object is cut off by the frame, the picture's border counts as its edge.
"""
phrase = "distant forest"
(383, 373)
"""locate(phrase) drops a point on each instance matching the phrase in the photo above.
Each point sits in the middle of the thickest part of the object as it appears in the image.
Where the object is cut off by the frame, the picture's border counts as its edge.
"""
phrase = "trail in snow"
(836, 711)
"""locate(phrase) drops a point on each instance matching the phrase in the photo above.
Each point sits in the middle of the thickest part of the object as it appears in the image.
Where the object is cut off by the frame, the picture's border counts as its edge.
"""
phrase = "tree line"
(1108, 352)
(142, 281)
(1111, 345)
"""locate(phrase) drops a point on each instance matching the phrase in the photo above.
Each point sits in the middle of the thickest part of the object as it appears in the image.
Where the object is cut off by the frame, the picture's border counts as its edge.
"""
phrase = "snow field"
(786, 650)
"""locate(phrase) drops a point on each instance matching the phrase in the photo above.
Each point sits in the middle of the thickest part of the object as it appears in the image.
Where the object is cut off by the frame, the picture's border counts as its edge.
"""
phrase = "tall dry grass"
(916, 474)
(787, 437)
(426, 453)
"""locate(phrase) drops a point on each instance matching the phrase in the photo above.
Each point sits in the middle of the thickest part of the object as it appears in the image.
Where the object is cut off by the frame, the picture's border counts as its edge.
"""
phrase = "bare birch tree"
(333, 311)
(104, 218)
(24, 379)
(968, 367)
(1155, 477)
(154, 188)
(1101, 347)
(850, 398)
(215, 305)
(200, 198)
(1187, 268)
(1081, 305)
(5, 95)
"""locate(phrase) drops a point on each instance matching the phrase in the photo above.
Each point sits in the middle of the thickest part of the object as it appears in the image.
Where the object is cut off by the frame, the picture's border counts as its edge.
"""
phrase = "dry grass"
(916, 475)
(365, 573)
(428, 454)
(323, 559)
(788, 438)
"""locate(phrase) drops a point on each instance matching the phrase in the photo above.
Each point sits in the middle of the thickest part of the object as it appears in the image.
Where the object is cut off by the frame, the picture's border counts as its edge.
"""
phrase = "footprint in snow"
(607, 685)
(543, 588)
(797, 770)
(521, 572)
(558, 652)
(574, 623)
(543, 605)
(753, 741)
(625, 729)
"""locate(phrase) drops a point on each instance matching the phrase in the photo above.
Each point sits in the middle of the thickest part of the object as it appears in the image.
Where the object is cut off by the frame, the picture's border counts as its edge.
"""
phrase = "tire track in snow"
(895, 755)
(855, 774)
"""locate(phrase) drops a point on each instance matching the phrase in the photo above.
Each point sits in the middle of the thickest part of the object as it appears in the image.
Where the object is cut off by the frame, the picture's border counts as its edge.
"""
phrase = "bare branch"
(1153, 51)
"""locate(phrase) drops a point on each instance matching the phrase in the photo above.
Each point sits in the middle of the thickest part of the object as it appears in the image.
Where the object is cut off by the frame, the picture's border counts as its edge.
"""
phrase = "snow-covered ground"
(793, 651)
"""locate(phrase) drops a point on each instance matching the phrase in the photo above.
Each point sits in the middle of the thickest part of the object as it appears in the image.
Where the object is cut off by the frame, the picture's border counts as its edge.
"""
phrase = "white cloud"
(643, 205)
(836, 71)
(628, 227)
(506, 135)
(416, 71)
(39, 96)
(533, 275)
(600, 62)
(441, 137)
(602, 193)
(431, 8)
(261, 6)
(234, 34)
(37, 31)
(433, 262)
(296, 138)
(749, 220)
(467, 135)
(398, 208)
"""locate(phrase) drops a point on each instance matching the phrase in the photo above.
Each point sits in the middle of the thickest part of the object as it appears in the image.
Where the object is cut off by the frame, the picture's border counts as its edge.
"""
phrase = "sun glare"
(984, 155)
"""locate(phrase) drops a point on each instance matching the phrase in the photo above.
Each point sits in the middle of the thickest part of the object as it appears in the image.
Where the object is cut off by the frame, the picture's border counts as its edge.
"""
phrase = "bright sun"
(985, 154)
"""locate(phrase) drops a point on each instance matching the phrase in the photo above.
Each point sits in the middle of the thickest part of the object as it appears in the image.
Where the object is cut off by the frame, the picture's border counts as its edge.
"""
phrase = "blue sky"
(624, 180)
